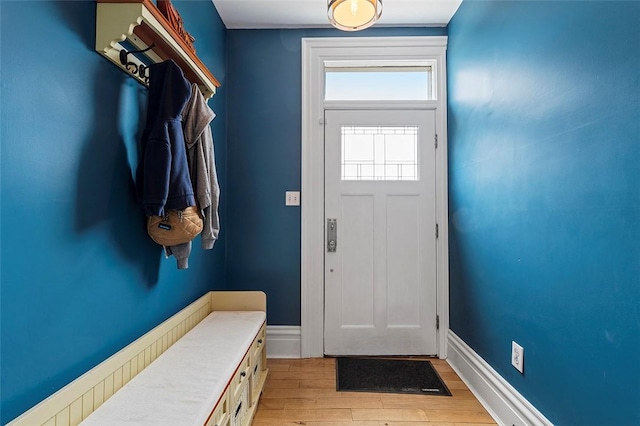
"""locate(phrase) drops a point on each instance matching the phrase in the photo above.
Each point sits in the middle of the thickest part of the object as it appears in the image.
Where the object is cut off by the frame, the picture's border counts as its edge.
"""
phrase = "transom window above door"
(379, 81)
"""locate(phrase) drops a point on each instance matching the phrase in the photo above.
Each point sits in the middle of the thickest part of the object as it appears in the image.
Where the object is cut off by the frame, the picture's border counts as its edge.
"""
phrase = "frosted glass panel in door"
(379, 152)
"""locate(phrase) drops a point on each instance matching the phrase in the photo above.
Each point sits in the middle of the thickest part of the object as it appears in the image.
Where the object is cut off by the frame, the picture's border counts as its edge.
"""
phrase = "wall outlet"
(517, 357)
(292, 198)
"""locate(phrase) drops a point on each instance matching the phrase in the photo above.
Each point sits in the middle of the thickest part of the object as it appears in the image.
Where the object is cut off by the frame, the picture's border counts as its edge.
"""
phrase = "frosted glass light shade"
(354, 15)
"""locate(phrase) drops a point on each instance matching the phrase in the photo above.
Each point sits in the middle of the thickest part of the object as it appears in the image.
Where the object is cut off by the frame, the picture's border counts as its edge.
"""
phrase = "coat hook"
(143, 72)
(124, 53)
(133, 68)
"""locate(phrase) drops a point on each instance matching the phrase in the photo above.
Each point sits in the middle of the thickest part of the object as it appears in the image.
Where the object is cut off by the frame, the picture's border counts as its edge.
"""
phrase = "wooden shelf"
(121, 24)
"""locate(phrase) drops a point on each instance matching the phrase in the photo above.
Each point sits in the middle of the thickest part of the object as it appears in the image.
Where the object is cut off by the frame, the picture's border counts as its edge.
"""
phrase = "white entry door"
(380, 218)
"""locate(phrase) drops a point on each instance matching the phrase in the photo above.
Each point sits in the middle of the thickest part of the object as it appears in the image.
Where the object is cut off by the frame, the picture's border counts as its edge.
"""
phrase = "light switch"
(292, 198)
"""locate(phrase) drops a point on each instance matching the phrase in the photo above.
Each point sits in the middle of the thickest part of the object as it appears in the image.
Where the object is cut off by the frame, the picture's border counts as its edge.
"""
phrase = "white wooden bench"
(205, 365)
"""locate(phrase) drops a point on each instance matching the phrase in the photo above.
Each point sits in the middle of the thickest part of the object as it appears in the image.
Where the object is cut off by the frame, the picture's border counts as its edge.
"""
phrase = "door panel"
(356, 241)
(403, 268)
(380, 283)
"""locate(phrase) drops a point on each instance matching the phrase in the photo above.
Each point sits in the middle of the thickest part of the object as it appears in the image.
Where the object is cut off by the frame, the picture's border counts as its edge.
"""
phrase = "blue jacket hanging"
(162, 177)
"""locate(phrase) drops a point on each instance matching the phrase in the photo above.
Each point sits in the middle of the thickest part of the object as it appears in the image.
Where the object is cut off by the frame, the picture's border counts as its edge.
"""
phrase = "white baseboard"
(283, 341)
(502, 401)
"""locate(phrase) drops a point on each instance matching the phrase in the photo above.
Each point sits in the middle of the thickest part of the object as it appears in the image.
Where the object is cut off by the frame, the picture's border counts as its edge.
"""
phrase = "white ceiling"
(239, 14)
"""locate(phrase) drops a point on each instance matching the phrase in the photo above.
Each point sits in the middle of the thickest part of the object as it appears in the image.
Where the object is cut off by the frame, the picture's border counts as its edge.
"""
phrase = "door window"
(379, 153)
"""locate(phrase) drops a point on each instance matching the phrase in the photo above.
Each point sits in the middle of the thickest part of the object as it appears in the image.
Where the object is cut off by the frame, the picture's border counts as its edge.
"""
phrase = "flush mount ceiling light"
(354, 15)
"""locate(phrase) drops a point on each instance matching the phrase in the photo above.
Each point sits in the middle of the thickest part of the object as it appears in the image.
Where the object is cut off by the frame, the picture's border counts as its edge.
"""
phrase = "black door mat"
(389, 376)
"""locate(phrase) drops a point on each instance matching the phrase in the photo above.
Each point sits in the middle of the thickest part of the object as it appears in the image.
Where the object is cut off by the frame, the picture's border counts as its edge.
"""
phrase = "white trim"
(505, 404)
(315, 53)
(283, 341)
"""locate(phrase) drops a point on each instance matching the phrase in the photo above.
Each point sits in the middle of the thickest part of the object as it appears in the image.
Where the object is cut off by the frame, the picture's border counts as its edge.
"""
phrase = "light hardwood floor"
(303, 392)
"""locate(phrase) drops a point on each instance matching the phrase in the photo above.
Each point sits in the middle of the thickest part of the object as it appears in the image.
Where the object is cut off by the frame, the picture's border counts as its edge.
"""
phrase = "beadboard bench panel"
(76, 401)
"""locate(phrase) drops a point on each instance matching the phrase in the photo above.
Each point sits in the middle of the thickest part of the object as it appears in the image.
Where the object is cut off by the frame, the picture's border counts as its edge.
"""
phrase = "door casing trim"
(315, 51)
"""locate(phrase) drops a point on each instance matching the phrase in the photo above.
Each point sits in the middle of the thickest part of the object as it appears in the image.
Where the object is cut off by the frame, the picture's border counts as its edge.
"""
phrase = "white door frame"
(315, 52)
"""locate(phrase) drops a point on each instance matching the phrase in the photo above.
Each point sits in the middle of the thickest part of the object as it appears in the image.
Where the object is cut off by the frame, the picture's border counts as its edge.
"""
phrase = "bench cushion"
(182, 386)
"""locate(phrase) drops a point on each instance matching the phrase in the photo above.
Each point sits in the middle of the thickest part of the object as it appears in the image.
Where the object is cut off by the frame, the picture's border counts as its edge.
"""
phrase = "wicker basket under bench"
(206, 365)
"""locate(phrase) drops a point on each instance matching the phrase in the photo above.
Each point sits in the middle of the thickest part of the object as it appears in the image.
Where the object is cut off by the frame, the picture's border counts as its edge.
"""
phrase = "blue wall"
(80, 277)
(264, 128)
(544, 139)
(544, 192)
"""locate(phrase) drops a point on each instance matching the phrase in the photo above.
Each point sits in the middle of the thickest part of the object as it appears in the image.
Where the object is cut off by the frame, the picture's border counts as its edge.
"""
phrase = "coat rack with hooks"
(134, 34)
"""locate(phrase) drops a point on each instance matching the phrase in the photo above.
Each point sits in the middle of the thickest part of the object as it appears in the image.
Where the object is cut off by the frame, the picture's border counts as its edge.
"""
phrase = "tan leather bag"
(176, 227)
